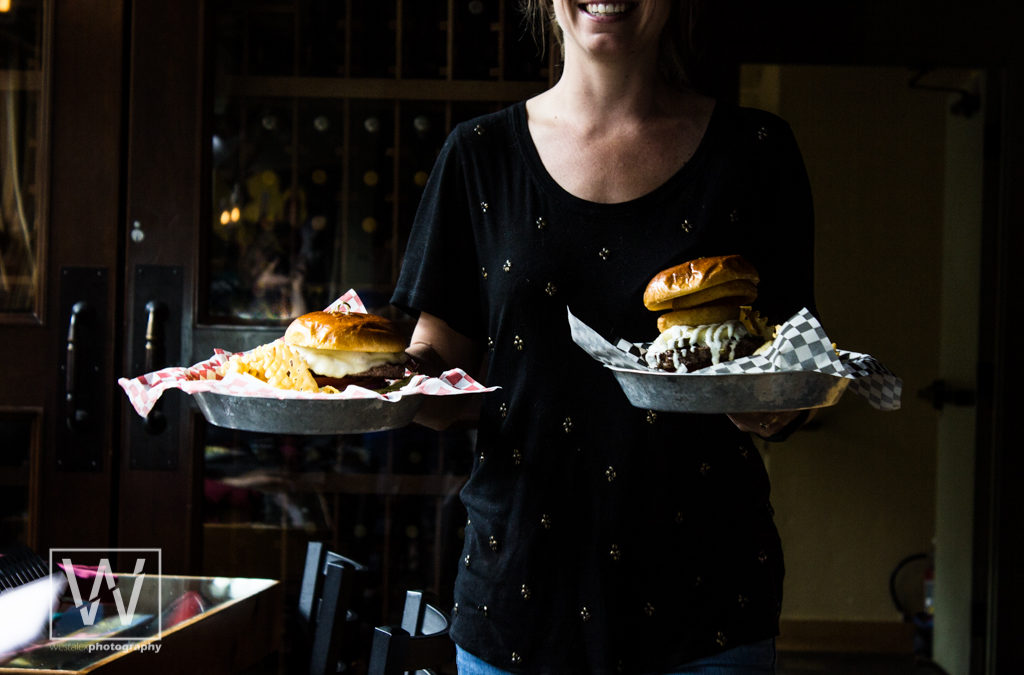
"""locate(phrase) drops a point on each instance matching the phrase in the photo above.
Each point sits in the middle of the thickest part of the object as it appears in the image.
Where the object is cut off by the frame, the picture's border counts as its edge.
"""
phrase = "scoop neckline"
(531, 155)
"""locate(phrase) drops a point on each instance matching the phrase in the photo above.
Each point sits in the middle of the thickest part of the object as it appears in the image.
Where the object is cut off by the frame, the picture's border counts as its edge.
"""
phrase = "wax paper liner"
(145, 390)
(801, 344)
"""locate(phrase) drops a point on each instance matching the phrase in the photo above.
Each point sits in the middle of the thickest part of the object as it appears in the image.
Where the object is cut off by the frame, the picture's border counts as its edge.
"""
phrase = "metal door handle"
(156, 421)
(77, 418)
(152, 335)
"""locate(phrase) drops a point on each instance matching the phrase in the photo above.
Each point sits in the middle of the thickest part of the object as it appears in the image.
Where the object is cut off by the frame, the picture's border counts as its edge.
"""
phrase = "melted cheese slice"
(337, 363)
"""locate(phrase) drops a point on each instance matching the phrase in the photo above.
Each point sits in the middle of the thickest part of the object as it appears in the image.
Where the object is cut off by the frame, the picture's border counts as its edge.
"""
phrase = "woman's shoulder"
(487, 126)
(753, 130)
(749, 120)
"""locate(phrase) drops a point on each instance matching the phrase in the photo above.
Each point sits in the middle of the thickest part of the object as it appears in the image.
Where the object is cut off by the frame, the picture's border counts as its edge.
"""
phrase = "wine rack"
(325, 119)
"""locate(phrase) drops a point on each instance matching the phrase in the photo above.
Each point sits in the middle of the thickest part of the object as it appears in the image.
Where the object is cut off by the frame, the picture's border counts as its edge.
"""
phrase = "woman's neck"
(594, 93)
(599, 103)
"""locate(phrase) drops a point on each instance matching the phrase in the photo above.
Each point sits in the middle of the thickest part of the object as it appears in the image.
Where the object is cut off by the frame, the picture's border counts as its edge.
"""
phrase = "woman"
(602, 537)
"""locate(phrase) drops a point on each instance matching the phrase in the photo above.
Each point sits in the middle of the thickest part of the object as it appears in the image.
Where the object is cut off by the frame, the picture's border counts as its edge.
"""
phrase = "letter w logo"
(103, 574)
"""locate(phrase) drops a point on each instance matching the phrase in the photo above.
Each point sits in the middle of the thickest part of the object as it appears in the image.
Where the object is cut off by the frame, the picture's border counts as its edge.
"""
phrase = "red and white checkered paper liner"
(145, 390)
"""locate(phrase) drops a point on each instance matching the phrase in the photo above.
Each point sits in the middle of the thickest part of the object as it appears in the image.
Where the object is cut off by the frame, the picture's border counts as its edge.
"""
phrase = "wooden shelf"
(422, 485)
(381, 88)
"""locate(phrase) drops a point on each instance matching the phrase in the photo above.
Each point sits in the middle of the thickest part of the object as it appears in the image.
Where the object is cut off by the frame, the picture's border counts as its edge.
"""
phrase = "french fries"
(278, 365)
(757, 324)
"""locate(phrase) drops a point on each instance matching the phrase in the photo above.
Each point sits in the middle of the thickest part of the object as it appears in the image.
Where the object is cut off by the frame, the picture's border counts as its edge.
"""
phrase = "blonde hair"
(678, 50)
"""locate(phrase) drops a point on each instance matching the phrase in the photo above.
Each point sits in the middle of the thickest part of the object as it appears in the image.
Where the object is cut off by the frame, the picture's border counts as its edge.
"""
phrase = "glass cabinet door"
(60, 123)
(21, 123)
(325, 118)
(21, 151)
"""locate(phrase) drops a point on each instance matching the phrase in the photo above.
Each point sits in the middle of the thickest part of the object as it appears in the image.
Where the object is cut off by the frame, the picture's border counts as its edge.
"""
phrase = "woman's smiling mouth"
(602, 10)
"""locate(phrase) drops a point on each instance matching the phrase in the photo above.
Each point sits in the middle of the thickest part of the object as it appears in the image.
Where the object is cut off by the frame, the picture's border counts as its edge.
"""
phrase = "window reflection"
(387, 499)
(21, 30)
(327, 117)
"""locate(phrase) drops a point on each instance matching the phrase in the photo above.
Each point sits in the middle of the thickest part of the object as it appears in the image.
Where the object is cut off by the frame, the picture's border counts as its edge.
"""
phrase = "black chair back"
(331, 584)
(420, 643)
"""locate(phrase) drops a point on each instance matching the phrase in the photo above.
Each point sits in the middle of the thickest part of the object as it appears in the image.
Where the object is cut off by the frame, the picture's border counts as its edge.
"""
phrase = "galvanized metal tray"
(307, 416)
(746, 392)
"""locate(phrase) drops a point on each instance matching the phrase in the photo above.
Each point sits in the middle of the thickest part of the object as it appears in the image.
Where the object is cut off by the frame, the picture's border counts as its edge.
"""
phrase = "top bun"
(350, 332)
(696, 275)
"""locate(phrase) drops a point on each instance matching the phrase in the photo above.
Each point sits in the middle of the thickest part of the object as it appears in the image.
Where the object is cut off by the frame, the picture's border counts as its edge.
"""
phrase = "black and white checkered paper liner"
(801, 344)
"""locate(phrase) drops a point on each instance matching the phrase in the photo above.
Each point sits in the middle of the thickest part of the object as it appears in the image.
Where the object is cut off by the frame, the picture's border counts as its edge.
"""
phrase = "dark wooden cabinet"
(60, 79)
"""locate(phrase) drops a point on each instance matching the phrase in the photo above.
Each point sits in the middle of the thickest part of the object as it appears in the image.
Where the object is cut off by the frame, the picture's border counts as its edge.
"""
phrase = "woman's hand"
(765, 425)
(434, 348)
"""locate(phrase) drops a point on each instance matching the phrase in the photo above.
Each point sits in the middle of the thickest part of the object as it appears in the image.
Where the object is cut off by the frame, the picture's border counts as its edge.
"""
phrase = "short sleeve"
(783, 233)
(439, 269)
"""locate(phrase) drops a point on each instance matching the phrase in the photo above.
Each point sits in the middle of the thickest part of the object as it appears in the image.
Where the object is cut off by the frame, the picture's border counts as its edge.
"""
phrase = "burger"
(704, 320)
(342, 348)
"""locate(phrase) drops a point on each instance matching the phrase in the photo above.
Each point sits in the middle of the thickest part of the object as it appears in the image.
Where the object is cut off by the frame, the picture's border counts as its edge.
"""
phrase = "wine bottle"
(424, 51)
(271, 42)
(423, 130)
(476, 39)
(371, 185)
(373, 29)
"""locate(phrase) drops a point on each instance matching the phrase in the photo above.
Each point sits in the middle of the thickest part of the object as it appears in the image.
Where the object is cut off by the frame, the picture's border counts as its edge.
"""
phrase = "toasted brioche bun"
(739, 292)
(699, 316)
(353, 332)
(667, 288)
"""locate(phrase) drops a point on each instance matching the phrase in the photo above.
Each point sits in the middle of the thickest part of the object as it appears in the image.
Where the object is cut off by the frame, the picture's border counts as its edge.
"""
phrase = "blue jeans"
(757, 658)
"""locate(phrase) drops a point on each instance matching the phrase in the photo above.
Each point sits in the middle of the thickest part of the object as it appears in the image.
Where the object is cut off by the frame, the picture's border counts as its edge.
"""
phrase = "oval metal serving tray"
(307, 416)
(751, 392)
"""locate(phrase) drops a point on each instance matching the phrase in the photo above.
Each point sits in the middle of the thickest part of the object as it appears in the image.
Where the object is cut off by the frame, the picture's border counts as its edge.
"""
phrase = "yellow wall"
(857, 494)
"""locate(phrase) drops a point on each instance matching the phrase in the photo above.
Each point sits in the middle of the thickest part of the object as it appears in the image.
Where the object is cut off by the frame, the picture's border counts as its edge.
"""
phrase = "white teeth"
(605, 8)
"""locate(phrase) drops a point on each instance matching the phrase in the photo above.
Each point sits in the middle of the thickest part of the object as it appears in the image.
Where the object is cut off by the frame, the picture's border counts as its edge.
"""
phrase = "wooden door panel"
(77, 199)
(83, 216)
(159, 489)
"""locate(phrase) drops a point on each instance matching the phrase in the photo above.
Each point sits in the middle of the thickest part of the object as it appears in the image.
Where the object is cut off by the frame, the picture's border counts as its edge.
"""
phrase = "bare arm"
(434, 348)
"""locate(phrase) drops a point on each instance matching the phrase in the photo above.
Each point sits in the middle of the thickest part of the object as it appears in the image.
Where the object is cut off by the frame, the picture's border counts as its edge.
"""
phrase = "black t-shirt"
(603, 537)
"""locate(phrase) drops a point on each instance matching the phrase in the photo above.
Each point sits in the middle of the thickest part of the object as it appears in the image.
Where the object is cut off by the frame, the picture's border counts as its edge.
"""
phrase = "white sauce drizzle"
(718, 337)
